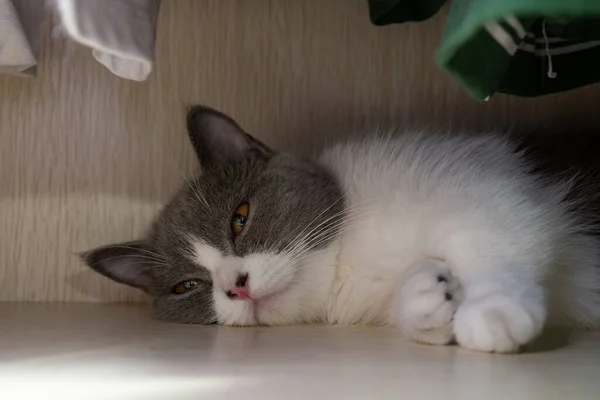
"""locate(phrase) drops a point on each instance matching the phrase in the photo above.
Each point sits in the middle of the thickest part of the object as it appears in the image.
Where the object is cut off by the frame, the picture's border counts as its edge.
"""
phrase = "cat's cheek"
(233, 312)
(269, 274)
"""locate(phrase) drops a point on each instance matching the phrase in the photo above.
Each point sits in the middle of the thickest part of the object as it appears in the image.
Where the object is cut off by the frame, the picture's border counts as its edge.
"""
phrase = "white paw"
(425, 303)
(498, 323)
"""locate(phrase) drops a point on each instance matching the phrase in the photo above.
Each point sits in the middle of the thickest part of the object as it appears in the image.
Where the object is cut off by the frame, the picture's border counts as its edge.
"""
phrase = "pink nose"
(238, 293)
(240, 290)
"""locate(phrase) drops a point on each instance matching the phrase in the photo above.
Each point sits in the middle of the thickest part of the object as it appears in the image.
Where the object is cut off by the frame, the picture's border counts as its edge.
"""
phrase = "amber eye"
(239, 219)
(185, 286)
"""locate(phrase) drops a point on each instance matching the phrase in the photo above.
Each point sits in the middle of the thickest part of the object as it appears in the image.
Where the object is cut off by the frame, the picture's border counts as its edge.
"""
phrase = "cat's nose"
(241, 280)
(240, 291)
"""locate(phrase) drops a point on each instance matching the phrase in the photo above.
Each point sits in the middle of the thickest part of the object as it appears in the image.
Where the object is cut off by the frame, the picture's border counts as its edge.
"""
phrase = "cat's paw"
(426, 300)
(497, 323)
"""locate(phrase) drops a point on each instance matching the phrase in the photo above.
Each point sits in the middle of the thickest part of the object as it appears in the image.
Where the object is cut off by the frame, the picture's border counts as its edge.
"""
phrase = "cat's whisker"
(197, 193)
(343, 213)
(153, 260)
(125, 247)
(145, 263)
(181, 239)
(328, 233)
(295, 243)
(322, 240)
(311, 222)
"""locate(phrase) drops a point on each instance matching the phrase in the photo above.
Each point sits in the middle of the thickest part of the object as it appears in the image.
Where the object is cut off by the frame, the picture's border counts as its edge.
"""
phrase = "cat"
(450, 238)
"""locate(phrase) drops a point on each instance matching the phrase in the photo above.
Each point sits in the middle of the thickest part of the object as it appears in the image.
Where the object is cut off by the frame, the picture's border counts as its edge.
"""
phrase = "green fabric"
(492, 46)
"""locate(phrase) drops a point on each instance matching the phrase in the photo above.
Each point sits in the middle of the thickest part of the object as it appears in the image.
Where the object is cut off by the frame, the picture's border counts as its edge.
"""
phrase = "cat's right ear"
(129, 263)
(218, 140)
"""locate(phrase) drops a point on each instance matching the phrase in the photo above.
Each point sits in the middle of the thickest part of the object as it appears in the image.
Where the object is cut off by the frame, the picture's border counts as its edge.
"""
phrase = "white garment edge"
(124, 65)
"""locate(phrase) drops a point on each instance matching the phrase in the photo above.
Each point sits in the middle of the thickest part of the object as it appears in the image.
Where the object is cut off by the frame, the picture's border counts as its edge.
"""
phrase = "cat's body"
(446, 237)
(505, 234)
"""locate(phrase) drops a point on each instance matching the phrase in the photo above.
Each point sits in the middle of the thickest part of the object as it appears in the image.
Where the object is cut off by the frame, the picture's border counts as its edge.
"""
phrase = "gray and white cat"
(448, 237)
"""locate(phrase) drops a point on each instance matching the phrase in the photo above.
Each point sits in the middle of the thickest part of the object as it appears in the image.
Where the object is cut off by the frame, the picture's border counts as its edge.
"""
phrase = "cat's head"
(249, 240)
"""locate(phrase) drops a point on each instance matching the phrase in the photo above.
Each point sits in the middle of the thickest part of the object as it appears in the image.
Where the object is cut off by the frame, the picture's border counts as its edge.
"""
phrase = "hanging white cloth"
(20, 23)
(121, 33)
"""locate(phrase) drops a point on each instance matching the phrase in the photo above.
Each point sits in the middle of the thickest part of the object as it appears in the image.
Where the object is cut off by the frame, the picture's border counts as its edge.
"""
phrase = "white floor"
(117, 352)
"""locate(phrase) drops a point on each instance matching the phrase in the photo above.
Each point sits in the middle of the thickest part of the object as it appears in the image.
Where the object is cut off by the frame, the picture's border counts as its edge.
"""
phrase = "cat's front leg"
(425, 301)
(499, 314)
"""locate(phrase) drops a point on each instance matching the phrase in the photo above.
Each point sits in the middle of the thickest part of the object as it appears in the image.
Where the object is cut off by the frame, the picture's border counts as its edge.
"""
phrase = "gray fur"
(285, 195)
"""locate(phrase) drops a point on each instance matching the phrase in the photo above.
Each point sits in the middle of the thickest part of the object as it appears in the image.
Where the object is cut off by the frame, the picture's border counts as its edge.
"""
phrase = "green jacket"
(518, 47)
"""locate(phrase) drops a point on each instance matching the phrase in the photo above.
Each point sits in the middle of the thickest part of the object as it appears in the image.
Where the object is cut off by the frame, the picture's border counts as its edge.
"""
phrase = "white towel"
(121, 33)
(20, 23)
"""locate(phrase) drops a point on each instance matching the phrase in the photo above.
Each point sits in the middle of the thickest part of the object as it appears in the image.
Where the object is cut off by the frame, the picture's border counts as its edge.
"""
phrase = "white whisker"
(311, 222)
(197, 193)
(153, 260)
(342, 213)
(319, 240)
(327, 233)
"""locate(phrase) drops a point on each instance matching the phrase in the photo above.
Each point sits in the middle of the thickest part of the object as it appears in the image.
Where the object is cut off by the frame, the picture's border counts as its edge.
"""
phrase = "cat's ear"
(129, 263)
(219, 140)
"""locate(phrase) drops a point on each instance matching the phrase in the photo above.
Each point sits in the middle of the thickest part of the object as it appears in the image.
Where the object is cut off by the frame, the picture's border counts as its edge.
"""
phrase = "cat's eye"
(238, 222)
(185, 286)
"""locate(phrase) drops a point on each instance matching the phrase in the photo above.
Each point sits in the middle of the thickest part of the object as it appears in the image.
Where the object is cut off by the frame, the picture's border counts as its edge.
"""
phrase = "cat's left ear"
(219, 140)
(129, 263)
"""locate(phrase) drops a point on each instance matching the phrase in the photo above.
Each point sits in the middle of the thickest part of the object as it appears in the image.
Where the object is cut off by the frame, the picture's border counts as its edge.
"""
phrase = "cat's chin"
(253, 312)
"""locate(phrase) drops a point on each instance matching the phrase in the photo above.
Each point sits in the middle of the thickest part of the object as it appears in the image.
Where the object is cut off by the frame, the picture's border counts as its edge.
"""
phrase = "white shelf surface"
(81, 351)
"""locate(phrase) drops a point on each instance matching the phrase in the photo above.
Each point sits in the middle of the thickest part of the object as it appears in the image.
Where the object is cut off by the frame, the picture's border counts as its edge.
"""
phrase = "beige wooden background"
(86, 158)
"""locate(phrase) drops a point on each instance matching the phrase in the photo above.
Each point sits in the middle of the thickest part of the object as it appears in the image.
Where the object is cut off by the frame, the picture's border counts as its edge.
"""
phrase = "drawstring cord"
(551, 72)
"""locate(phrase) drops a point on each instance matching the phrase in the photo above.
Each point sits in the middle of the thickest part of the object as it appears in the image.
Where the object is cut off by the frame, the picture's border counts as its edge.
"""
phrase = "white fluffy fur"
(420, 207)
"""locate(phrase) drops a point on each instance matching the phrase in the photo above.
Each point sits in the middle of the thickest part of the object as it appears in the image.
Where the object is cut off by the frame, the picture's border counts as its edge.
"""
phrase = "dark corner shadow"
(550, 340)
(577, 147)
(568, 144)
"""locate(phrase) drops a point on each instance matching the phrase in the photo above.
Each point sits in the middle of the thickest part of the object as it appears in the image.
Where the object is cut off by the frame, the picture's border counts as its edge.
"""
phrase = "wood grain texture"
(87, 158)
